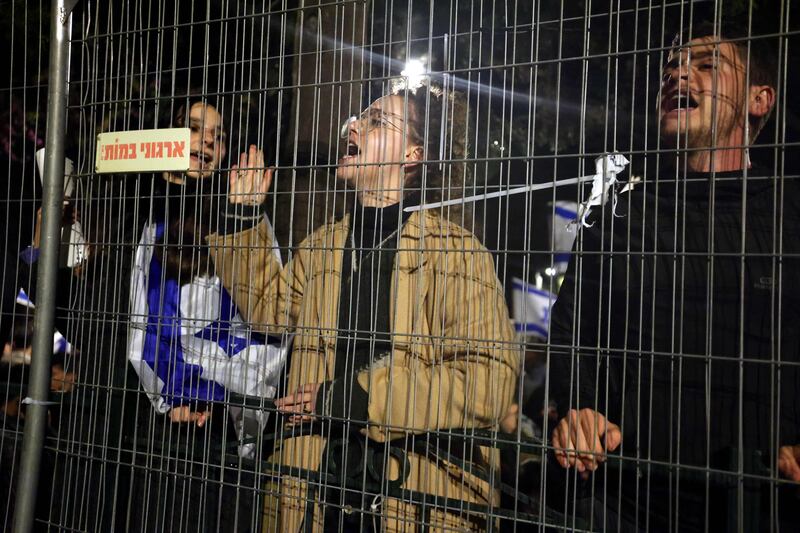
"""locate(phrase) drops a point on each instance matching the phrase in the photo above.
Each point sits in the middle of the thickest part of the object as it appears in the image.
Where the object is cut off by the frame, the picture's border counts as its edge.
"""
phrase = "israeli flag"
(562, 233)
(60, 344)
(24, 300)
(188, 343)
(531, 309)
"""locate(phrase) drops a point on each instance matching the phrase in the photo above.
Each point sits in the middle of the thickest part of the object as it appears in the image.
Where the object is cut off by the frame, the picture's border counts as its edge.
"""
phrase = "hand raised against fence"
(582, 438)
(183, 414)
(789, 462)
(250, 179)
(69, 216)
(301, 404)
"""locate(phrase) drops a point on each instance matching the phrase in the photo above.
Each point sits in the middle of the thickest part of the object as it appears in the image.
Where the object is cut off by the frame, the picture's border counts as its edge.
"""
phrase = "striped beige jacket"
(454, 363)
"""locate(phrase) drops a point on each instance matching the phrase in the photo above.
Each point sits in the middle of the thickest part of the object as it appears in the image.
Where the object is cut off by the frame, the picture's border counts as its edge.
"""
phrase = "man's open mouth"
(678, 101)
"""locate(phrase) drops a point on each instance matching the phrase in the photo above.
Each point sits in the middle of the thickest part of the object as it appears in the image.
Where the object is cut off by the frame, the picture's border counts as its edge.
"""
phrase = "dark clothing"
(363, 335)
(91, 313)
(180, 476)
(107, 408)
(363, 331)
(686, 335)
(181, 480)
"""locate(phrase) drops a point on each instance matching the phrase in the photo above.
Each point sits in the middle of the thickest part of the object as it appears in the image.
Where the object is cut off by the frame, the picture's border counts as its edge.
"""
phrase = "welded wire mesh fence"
(545, 275)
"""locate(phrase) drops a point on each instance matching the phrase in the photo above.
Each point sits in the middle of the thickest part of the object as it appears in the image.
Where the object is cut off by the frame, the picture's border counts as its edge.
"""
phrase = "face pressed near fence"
(703, 90)
(705, 101)
(207, 143)
(378, 154)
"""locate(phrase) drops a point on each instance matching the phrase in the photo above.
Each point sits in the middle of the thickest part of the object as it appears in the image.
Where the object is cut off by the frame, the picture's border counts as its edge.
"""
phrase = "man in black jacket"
(675, 338)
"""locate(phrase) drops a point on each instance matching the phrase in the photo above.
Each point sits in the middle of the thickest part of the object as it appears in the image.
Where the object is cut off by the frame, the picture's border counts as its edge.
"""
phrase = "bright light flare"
(414, 72)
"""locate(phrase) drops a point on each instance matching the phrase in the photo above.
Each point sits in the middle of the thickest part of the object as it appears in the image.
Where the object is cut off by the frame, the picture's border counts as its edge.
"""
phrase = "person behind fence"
(14, 367)
(187, 341)
(403, 340)
(16, 327)
(682, 315)
(72, 372)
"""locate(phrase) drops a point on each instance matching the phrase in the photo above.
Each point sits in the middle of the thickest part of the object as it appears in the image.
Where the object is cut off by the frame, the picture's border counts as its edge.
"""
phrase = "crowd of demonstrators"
(146, 289)
(674, 339)
(17, 302)
(402, 336)
(14, 370)
(90, 370)
(16, 328)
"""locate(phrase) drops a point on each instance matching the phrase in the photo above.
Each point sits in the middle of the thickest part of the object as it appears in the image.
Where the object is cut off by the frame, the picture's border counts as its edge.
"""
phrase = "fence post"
(52, 205)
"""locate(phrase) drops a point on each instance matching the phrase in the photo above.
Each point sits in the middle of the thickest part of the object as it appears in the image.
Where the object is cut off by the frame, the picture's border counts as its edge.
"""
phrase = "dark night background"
(553, 85)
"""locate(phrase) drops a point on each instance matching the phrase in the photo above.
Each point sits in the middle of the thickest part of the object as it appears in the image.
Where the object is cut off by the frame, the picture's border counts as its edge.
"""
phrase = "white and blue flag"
(531, 309)
(60, 344)
(565, 213)
(188, 343)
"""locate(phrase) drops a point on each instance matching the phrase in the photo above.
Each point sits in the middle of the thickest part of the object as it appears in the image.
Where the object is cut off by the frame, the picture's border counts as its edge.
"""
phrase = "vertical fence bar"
(52, 206)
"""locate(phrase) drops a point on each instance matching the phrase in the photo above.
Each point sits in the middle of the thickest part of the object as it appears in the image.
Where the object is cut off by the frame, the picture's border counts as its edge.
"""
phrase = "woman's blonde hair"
(437, 121)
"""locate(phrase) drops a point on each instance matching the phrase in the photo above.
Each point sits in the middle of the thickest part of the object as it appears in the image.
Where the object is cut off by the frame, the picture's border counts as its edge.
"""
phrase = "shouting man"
(675, 339)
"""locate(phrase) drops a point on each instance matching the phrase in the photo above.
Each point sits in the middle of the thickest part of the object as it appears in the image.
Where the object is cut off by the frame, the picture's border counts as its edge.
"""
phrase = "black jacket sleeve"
(579, 374)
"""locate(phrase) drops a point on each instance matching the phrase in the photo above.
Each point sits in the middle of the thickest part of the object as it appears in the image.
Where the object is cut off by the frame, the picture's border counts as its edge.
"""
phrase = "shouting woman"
(403, 344)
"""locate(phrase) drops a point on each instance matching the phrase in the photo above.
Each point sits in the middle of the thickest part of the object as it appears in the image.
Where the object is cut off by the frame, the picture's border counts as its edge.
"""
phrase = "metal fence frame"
(331, 93)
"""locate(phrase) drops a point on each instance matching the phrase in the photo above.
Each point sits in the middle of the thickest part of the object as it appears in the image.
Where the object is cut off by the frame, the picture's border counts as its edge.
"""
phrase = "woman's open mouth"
(352, 151)
(199, 158)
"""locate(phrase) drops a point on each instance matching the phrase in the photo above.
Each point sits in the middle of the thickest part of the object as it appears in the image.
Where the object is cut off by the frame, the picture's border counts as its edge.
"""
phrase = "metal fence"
(544, 277)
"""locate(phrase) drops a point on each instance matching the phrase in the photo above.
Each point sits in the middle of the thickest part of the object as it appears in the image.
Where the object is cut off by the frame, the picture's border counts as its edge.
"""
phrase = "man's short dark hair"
(763, 66)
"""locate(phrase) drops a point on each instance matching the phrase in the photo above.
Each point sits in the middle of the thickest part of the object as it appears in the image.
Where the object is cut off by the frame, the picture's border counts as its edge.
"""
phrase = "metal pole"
(52, 205)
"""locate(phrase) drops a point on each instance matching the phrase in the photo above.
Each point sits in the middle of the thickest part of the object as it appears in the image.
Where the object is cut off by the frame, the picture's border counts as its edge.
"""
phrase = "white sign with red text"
(143, 150)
